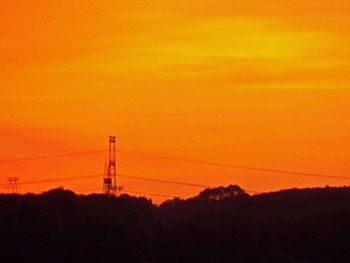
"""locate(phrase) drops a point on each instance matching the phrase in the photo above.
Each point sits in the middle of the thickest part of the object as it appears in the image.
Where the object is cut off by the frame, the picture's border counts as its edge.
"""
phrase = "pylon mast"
(13, 185)
(110, 177)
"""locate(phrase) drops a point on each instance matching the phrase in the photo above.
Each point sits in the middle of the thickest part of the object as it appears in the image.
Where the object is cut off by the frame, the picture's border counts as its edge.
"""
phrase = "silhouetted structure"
(110, 177)
(222, 224)
(13, 185)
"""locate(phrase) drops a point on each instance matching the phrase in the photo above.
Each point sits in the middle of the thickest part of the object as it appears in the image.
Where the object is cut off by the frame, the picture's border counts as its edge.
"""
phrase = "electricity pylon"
(110, 176)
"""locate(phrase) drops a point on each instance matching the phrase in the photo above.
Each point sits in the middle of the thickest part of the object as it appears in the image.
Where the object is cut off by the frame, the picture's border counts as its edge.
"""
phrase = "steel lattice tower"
(13, 185)
(110, 177)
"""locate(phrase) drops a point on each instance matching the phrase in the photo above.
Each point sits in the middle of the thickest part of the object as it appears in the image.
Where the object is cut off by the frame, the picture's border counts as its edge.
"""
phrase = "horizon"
(196, 196)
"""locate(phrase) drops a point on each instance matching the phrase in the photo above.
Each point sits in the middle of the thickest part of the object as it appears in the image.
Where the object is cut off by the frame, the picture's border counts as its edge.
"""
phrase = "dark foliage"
(218, 225)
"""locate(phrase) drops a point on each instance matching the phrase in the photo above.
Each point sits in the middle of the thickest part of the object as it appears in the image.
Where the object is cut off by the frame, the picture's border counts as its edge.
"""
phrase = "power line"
(129, 191)
(51, 156)
(162, 181)
(121, 175)
(174, 182)
(259, 169)
(235, 166)
(146, 193)
(36, 143)
(58, 179)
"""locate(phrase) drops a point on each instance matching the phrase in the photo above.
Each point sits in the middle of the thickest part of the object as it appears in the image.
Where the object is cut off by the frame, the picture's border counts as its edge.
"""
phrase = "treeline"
(224, 224)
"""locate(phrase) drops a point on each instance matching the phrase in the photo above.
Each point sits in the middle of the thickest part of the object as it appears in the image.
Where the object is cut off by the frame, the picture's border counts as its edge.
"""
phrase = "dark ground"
(218, 225)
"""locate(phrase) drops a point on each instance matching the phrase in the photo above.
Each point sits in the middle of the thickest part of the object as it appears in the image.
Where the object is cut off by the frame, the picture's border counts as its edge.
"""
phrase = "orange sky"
(253, 83)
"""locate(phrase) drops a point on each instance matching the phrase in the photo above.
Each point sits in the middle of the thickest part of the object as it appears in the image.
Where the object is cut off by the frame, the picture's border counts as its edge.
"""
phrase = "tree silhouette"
(223, 224)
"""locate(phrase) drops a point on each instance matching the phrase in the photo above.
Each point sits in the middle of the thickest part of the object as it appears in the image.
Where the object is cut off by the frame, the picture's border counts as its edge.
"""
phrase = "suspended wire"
(235, 166)
(146, 193)
(259, 169)
(52, 156)
(155, 180)
(128, 191)
(121, 175)
(36, 143)
(173, 182)
(57, 179)
(162, 181)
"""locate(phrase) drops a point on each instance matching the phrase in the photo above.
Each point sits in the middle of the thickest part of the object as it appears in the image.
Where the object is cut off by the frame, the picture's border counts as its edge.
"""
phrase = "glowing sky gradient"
(254, 83)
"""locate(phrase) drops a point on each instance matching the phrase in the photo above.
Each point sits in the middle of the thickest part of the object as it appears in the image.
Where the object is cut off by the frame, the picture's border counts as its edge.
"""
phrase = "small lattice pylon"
(13, 185)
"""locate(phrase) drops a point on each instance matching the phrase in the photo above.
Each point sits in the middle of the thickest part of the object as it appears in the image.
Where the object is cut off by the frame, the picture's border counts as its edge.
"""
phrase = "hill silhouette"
(223, 224)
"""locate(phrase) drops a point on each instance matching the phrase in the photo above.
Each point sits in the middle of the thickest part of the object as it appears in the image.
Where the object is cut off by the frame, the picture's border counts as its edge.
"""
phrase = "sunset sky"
(256, 83)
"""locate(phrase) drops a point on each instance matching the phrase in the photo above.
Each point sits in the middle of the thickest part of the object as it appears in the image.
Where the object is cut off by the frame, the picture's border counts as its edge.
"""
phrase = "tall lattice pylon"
(110, 176)
(13, 185)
